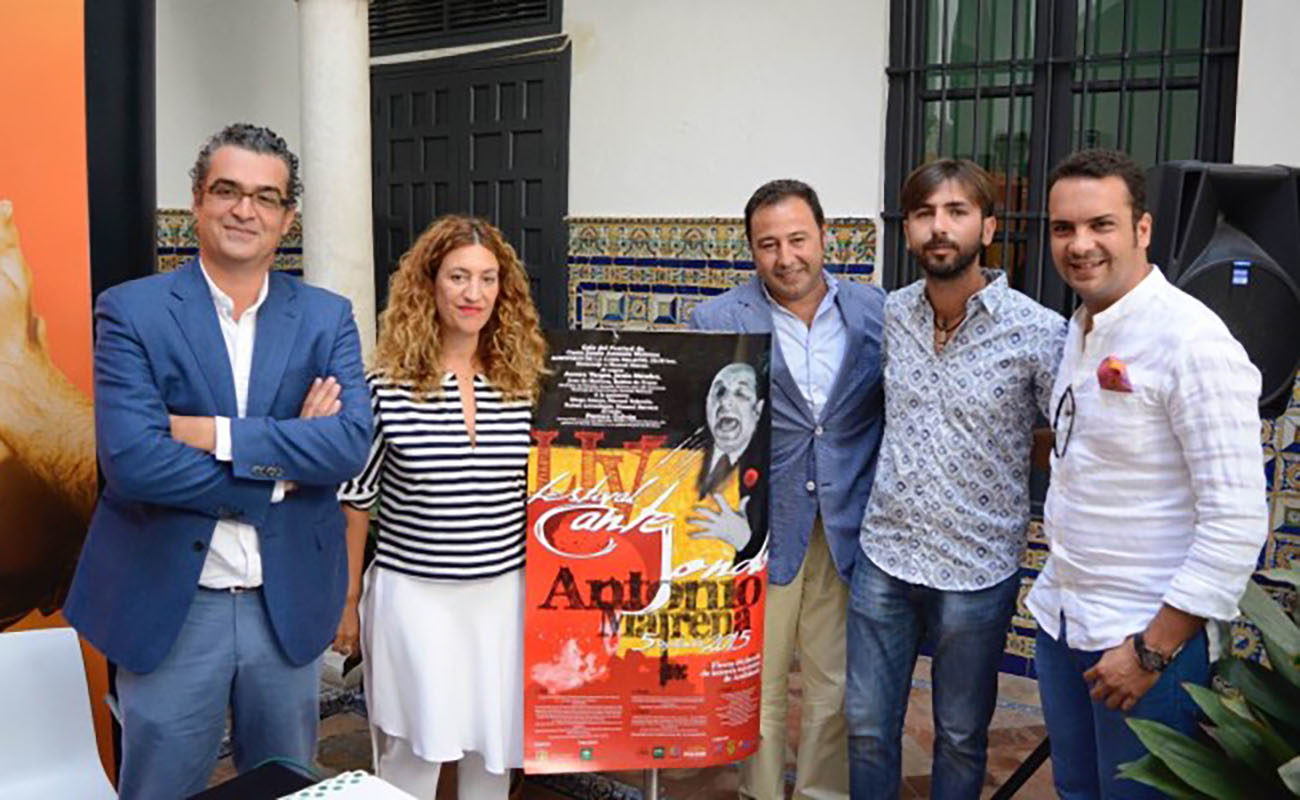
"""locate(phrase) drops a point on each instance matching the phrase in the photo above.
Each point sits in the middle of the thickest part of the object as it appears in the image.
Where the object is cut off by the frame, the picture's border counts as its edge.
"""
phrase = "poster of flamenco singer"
(647, 552)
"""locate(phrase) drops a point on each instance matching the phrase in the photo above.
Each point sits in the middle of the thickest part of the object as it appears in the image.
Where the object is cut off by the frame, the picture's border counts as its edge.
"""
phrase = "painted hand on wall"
(22, 333)
(47, 468)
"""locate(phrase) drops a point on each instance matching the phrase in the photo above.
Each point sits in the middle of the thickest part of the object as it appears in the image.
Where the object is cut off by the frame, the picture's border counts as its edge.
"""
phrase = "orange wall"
(43, 167)
(43, 171)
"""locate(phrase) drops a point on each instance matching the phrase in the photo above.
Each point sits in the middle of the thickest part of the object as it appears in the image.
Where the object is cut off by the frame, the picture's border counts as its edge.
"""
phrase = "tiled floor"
(1016, 730)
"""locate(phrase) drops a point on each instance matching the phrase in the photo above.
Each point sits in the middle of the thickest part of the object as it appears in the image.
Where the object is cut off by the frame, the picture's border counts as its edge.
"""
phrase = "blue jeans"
(888, 619)
(1090, 741)
(173, 718)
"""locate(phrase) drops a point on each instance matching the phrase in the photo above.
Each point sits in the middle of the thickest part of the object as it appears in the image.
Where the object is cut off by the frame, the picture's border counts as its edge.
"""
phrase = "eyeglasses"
(1064, 406)
(228, 193)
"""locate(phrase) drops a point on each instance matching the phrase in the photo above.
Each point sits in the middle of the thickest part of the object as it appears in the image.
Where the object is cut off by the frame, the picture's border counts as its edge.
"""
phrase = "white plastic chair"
(47, 737)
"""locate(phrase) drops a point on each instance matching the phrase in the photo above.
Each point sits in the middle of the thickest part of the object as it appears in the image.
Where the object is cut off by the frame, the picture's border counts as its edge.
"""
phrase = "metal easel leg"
(1023, 772)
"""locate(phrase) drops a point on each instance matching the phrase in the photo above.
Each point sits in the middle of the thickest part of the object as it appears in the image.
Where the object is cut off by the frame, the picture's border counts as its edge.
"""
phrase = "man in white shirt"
(1156, 511)
(214, 570)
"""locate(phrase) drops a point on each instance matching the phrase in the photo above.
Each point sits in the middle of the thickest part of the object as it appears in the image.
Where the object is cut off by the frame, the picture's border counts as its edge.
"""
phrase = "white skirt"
(444, 664)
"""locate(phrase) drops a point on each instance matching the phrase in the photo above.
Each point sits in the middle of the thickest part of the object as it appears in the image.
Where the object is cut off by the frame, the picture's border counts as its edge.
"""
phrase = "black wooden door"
(483, 134)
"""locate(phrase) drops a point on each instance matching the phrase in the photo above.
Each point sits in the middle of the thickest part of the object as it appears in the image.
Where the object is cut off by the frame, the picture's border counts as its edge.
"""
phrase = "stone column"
(334, 67)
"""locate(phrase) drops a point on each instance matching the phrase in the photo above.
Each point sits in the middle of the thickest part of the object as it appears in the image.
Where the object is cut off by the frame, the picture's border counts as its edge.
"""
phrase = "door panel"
(479, 135)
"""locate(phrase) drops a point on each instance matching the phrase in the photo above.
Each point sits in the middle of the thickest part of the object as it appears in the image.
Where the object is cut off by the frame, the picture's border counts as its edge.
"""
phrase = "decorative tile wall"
(177, 241)
(648, 274)
(1281, 443)
(1018, 655)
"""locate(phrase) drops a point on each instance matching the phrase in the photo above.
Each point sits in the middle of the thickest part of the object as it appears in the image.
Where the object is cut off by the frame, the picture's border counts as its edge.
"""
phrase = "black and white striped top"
(447, 510)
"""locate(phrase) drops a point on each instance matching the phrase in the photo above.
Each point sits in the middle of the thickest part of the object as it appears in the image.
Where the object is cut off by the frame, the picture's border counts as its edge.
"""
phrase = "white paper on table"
(354, 785)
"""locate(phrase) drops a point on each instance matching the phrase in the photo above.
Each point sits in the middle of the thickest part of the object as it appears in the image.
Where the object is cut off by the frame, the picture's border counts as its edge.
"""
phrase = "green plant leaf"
(1267, 692)
(1273, 622)
(1198, 766)
(1278, 748)
(1290, 775)
(1244, 741)
(1277, 659)
(1284, 663)
(1152, 771)
(1237, 705)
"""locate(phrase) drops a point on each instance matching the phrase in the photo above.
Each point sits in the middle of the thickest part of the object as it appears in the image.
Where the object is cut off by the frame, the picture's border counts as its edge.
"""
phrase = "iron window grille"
(1017, 85)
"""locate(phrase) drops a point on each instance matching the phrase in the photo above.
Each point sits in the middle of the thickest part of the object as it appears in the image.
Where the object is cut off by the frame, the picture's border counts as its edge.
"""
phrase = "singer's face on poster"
(467, 285)
(733, 407)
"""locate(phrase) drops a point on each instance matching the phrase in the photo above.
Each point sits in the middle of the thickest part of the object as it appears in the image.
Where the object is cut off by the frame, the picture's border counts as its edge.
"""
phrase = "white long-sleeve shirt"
(234, 555)
(1157, 494)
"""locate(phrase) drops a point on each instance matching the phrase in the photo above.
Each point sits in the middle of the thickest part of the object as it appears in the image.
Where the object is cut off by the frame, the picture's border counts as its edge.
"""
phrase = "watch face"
(1150, 660)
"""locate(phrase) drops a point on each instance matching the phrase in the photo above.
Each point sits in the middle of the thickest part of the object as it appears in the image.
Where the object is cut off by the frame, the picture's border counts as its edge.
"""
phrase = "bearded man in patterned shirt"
(968, 365)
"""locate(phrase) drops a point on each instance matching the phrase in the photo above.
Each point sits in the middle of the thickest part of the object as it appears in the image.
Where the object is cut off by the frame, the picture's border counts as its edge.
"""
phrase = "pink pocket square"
(1113, 375)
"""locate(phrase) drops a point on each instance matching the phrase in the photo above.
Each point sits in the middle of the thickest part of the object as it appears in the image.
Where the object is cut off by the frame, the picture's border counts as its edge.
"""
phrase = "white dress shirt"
(234, 556)
(1158, 494)
(813, 353)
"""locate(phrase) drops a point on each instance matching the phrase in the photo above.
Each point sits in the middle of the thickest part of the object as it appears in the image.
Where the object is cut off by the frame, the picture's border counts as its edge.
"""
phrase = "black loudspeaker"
(1229, 235)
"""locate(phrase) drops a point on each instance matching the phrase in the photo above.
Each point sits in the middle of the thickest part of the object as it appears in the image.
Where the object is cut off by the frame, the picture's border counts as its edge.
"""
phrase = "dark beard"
(947, 272)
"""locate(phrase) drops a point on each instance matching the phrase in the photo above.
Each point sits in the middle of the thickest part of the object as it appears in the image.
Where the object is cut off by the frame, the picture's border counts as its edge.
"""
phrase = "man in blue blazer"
(827, 414)
(214, 569)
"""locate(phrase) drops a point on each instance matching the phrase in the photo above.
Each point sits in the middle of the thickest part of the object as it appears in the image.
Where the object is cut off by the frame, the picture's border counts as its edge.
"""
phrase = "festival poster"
(647, 552)
(47, 453)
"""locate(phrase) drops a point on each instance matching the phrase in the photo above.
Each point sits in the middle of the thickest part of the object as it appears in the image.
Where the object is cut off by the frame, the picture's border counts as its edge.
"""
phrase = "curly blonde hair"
(510, 346)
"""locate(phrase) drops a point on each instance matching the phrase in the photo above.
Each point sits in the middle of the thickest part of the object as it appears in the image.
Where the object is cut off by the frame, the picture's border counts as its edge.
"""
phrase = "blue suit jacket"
(159, 351)
(838, 457)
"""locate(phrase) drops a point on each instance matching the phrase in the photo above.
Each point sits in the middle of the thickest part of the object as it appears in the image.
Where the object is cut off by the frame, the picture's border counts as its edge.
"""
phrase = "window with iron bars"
(1017, 85)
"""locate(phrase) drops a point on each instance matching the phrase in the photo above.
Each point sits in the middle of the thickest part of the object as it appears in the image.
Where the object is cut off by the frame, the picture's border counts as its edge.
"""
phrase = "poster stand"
(646, 576)
(652, 784)
(1024, 772)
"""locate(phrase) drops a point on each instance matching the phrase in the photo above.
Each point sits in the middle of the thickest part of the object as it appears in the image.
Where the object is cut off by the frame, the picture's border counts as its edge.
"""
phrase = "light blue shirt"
(813, 353)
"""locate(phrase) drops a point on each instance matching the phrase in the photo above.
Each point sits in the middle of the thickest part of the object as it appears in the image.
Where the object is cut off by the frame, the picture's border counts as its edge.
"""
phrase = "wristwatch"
(1151, 660)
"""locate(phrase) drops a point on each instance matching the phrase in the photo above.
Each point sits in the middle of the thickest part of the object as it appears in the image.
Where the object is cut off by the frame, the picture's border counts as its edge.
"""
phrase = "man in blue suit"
(827, 413)
(214, 569)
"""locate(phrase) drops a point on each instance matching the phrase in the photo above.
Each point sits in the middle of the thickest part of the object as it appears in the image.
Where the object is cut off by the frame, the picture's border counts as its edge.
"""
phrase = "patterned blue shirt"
(950, 505)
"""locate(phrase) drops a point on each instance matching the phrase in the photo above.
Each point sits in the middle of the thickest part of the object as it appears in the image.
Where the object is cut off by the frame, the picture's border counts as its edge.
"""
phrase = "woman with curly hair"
(440, 619)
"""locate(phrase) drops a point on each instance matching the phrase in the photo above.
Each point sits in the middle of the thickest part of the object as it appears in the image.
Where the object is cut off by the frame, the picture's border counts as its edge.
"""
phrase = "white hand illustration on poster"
(727, 523)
